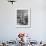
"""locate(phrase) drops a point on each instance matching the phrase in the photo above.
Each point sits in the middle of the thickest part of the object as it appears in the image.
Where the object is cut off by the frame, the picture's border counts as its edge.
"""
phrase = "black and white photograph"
(23, 17)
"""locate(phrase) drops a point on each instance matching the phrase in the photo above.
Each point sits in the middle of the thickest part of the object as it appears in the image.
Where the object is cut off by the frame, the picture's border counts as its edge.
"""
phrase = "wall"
(8, 28)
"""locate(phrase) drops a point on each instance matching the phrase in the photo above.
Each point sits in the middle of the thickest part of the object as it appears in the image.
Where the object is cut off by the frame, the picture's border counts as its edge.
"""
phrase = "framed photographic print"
(23, 17)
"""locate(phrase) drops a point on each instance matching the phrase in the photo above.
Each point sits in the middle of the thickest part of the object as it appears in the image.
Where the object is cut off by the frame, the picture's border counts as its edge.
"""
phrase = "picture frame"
(23, 18)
